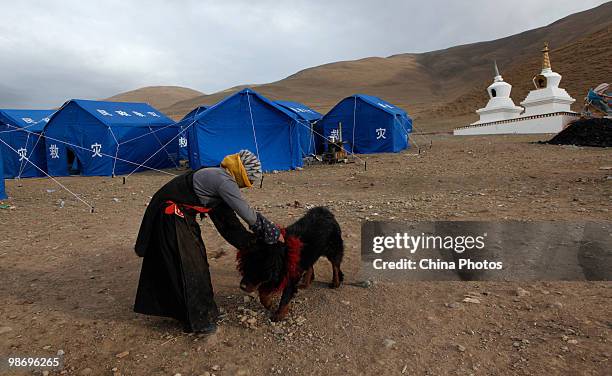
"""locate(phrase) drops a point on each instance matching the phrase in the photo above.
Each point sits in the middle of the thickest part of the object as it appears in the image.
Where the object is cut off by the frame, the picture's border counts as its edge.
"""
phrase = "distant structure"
(547, 108)
(500, 105)
(548, 96)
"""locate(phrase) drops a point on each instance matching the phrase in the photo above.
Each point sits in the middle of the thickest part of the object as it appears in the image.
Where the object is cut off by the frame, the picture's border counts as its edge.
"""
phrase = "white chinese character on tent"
(380, 133)
(122, 113)
(334, 135)
(104, 112)
(152, 113)
(182, 142)
(28, 120)
(96, 148)
(22, 153)
(53, 151)
(138, 114)
(383, 105)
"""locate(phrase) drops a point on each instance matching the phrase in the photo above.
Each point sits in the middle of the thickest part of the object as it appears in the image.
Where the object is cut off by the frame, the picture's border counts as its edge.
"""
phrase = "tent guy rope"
(91, 207)
(154, 154)
(253, 125)
(103, 154)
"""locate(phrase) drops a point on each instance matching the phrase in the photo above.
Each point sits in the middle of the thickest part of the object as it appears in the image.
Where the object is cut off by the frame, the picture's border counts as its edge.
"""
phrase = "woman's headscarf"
(244, 167)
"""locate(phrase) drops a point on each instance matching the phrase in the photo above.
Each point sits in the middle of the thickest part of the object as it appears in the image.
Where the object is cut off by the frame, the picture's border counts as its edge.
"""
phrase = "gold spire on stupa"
(545, 57)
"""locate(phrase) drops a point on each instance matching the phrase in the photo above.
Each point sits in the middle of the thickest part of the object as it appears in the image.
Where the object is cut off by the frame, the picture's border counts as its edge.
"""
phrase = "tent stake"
(124, 180)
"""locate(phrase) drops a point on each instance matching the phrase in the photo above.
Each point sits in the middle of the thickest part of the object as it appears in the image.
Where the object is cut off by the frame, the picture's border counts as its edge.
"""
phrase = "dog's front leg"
(283, 307)
(265, 298)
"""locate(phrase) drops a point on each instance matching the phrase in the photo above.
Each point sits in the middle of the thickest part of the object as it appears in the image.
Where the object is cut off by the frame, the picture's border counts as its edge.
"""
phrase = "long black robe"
(175, 280)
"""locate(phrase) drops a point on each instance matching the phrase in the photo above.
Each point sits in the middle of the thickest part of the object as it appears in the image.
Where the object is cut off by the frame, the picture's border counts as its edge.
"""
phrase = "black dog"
(272, 268)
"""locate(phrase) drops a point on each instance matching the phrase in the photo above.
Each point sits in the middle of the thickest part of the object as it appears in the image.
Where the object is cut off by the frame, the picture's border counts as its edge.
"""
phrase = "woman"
(175, 280)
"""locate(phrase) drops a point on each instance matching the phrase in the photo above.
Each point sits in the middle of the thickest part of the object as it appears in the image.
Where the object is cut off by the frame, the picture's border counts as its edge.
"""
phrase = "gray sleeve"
(230, 193)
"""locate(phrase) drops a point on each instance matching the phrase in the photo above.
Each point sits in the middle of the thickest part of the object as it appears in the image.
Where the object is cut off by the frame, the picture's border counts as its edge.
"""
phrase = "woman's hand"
(266, 230)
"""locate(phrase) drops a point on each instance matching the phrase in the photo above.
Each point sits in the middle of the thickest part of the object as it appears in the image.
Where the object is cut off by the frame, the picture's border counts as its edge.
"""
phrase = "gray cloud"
(54, 51)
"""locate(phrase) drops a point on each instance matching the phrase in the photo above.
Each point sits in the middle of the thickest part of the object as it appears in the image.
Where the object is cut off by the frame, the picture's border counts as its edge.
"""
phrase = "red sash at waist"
(179, 209)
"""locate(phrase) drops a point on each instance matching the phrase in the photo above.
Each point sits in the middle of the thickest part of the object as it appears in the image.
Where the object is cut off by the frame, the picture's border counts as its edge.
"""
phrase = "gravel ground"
(68, 277)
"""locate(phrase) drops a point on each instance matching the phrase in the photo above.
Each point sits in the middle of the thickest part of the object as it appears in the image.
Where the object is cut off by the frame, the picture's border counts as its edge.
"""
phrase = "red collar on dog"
(292, 263)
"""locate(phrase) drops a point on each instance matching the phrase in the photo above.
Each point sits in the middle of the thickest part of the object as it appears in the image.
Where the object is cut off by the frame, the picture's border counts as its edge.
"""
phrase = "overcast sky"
(51, 51)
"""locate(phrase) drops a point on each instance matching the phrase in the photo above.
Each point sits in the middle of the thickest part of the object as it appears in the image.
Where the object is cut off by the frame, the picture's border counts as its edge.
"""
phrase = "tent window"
(73, 163)
(493, 93)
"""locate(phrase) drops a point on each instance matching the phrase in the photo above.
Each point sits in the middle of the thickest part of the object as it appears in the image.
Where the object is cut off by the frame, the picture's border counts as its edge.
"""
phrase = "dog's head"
(262, 265)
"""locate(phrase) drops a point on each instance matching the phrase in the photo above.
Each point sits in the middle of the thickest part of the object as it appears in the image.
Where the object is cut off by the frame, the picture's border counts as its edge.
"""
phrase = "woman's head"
(244, 166)
(251, 164)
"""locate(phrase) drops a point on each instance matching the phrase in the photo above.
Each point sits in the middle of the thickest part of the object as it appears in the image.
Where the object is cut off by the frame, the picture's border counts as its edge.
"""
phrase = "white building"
(500, 105)
(548, 96)
(547, 108)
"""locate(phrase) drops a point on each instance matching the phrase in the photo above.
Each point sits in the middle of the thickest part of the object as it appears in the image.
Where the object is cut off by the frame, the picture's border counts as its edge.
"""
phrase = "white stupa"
(500, 105)
(548, 97)
(547, 108)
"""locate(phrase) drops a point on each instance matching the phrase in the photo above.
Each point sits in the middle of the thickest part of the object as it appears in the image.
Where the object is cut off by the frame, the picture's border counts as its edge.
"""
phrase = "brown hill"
(323, 86)
(441, 89)
(583, 64)
(157, 96)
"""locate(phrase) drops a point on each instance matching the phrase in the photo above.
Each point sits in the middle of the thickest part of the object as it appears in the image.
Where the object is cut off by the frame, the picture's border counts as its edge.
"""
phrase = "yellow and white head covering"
(251, 164)
(244, 167)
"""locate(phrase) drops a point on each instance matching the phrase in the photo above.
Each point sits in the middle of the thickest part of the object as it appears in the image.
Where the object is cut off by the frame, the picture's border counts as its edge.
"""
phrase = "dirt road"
(68, 277)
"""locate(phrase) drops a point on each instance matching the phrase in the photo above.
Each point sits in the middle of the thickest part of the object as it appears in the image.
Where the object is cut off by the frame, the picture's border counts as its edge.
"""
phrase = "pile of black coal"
(585, 132)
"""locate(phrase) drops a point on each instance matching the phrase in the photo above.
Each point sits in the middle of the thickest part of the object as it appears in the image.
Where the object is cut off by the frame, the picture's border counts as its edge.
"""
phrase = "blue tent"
(2, 191)
(245, 120)
(369, 125)
(196, 111)
(21, 130)
(109, 138)
(307, 117)
(183, 126)
(301, 110)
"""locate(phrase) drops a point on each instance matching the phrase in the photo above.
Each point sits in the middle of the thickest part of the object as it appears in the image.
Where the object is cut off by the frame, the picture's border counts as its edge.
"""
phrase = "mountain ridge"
(156, 96)
(441, 89)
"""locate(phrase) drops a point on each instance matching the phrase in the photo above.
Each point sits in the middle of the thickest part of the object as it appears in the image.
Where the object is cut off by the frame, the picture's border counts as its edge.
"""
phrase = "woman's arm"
(264, 228)
(230, 194)
(229, 226)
